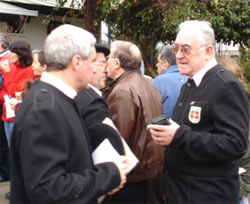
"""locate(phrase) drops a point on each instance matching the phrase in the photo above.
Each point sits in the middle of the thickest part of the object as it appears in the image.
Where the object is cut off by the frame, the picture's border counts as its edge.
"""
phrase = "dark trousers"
(130, 193)
(4, 154)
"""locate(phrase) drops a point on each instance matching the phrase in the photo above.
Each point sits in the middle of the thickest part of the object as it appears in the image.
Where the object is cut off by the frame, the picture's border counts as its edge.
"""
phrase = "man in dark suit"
(93, 108)
(209, 131)
(50, 152)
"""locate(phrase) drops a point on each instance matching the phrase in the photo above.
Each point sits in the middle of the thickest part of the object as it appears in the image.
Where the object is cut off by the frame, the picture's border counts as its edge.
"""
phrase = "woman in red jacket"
(21, 57)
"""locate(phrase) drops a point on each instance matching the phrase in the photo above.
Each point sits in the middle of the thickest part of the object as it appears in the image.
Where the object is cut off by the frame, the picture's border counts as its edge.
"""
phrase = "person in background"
(20, 55)
(39, 63)
(169, 81)
(231, 64)
(133, 102)
(50, 152)
(39, 66)
(208, 133)
(4, 155)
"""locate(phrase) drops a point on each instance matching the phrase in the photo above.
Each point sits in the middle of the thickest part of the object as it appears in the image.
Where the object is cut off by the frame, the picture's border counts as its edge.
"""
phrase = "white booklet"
(9, 111)
(105, 152)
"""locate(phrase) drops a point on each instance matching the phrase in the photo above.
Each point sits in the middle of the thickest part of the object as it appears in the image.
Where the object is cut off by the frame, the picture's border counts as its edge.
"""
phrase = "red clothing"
(38, 77)
(6, 57)
(13, 82)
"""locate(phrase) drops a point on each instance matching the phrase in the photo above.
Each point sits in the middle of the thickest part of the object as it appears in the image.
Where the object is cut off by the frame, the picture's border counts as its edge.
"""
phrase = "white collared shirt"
(200, 74)
(59, 84)
(96, 90)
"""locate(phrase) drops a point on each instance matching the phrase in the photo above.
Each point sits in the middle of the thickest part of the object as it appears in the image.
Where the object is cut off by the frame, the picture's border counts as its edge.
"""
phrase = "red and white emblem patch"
(194, 115)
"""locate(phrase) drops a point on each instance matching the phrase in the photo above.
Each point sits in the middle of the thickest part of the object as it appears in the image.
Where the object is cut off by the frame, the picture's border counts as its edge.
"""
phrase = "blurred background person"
(14, 79)
(4, 153)
(169, 80)
(39, 63)
(231, 64)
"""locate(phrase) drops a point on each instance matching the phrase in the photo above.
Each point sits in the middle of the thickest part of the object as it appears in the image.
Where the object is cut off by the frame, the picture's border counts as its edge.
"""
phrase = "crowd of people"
(62, 104)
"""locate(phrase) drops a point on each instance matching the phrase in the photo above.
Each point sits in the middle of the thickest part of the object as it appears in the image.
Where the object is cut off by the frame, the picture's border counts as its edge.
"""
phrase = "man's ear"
(76, 59)
(209, 51)
(44, 67)
(117, 63)
(166, 64)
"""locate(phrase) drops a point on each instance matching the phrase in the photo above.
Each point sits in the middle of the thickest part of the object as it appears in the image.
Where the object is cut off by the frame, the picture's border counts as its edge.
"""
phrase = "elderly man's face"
(99, 76)
(85, 72)
(190, 53)
(161, 65)
(111, 64)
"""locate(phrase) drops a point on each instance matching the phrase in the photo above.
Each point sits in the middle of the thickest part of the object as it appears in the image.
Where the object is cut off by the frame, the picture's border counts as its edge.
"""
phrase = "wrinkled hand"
(5, 65)
(163, 134)
(123, 165)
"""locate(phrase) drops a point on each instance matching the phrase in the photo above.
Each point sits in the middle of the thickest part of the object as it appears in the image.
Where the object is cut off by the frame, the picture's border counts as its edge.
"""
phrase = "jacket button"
(180, 104)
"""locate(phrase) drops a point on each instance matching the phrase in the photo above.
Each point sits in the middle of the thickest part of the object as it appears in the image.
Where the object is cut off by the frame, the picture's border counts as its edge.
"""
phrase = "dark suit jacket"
(203, 159)
(93, 110)
(50, 153)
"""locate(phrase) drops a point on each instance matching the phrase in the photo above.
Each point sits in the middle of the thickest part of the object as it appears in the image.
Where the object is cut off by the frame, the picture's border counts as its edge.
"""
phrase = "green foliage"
(149, 22)
(244, 62)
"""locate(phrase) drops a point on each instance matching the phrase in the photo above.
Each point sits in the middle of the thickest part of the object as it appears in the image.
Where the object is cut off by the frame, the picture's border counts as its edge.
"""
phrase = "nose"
(93, 68)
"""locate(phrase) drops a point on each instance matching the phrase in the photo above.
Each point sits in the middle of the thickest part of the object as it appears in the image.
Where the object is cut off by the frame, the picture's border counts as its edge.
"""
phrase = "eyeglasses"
(100, 63)
(110, 57)
(185, 50)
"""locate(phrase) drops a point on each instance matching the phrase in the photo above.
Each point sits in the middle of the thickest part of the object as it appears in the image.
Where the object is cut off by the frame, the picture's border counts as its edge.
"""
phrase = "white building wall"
(35, 32)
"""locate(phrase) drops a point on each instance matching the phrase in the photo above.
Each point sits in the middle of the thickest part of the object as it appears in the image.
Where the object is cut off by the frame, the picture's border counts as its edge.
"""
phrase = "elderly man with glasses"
(93, 108)
(208, 133)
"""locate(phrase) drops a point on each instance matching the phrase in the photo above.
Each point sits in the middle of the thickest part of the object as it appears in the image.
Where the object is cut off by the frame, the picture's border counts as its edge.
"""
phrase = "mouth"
(182, 63)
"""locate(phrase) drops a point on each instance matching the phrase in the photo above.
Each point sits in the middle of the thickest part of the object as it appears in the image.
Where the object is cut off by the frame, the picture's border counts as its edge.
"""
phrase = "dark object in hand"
(161, 120)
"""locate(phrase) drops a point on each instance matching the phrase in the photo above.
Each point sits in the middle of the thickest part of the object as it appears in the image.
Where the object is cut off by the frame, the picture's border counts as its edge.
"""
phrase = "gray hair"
(203, 28)
(64, 42)
(4, 40)
(168, 55)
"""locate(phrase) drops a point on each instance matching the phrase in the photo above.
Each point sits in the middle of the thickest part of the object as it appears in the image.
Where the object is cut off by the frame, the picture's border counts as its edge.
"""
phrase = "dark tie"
(190, 82)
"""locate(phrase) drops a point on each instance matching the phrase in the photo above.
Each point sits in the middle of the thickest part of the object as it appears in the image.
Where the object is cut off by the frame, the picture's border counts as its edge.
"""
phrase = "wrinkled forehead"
(188, 37)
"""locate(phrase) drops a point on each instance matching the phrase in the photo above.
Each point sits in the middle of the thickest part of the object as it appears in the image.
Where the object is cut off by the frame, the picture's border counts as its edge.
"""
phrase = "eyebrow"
(185, 45)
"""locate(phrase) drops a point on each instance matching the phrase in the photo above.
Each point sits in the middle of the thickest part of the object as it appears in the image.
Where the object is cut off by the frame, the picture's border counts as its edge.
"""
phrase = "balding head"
(127, 53)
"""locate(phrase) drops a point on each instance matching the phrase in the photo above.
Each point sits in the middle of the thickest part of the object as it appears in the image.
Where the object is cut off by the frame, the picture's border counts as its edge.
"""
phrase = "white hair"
(64, 42)
(203, 28)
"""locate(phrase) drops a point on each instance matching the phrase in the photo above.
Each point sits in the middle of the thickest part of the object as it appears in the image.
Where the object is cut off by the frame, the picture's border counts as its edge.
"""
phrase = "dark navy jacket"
(203, 159)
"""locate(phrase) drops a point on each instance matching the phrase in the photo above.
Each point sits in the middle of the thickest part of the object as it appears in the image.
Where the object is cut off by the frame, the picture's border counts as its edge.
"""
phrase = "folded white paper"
(9, 111)
(105, 152)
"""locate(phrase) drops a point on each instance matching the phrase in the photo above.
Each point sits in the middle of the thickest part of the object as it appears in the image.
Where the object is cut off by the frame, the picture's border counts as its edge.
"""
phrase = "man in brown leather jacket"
(133, 103)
